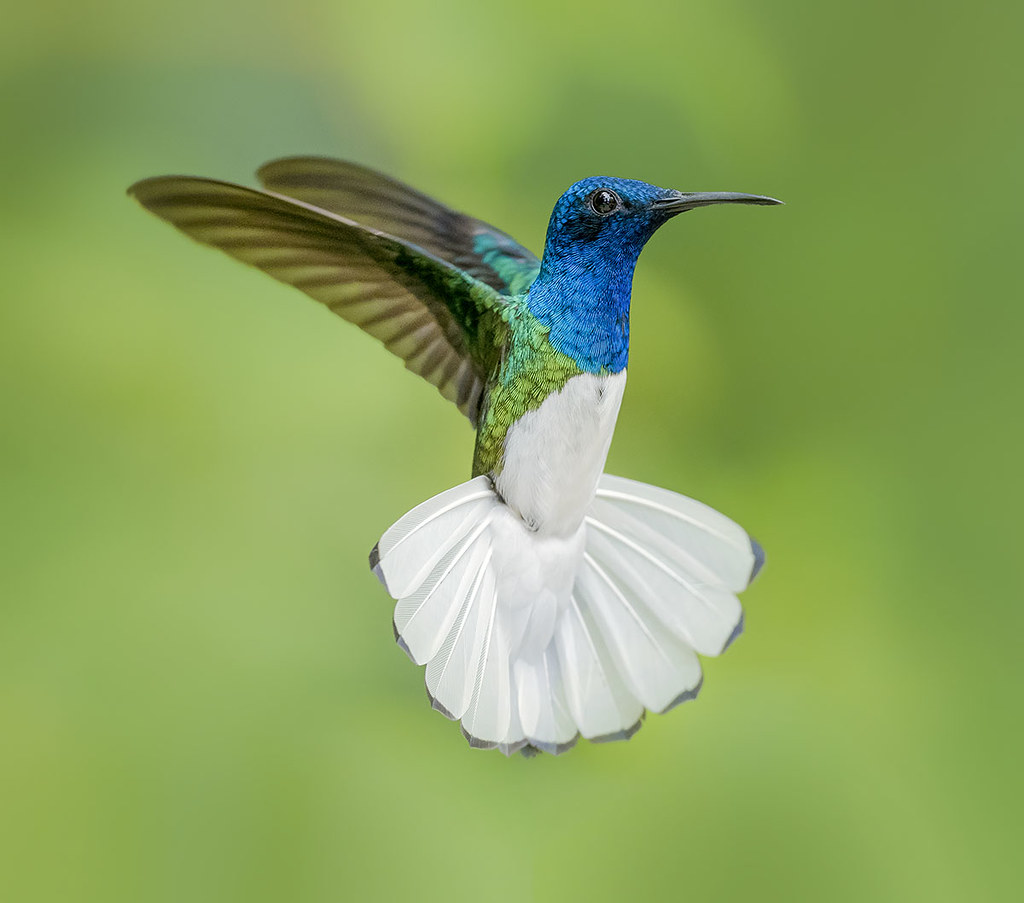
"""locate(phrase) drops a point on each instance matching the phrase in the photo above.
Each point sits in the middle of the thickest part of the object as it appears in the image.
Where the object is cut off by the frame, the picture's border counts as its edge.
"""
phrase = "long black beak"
(681, 201)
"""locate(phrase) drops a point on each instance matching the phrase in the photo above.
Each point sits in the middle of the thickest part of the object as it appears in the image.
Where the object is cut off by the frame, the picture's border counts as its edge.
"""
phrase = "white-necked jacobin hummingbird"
(547, 599)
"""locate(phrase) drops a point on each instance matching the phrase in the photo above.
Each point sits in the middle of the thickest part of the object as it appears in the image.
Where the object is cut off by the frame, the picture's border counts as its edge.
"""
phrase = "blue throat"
(583, 300)
(596, 233)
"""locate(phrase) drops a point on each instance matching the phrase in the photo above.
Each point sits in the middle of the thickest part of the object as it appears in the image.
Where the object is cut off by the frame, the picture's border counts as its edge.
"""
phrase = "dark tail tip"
(624, 734)
(476, 742)
(736, 631)
(437, 707)
(759, 558)
(685, 696)
(402, 643)
(375, 565)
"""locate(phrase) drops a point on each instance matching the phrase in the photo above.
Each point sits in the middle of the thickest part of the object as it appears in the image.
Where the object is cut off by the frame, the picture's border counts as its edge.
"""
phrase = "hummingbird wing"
(366, 196)
(446, 325)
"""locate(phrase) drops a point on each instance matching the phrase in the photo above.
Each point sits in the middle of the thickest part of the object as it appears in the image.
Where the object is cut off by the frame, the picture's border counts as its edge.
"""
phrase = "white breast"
(555, 454)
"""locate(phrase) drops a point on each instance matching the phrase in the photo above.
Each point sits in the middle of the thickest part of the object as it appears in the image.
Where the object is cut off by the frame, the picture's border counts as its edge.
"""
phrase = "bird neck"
(582, 297)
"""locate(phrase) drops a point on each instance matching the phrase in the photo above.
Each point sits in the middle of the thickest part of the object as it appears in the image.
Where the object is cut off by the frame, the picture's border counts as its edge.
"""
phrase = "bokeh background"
(200, 699)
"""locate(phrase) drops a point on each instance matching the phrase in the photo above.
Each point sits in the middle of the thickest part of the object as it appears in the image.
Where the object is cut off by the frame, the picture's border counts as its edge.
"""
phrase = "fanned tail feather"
(653, 581)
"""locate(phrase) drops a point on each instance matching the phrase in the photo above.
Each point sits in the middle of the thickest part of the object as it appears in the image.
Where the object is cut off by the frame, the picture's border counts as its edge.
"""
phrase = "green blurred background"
(200, 696)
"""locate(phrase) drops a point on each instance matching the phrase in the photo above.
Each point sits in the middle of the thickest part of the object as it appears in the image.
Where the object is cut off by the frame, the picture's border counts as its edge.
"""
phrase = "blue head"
(597, 231)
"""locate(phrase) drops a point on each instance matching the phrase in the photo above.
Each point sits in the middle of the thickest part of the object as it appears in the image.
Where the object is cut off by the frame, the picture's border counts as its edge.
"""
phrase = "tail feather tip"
(625, 734)
(438, 707)
(759, 559)
(686, 695)
(736, 631)
(555, 749)
(510, 749)
(375, 566)
(477, 743)
(402, 643)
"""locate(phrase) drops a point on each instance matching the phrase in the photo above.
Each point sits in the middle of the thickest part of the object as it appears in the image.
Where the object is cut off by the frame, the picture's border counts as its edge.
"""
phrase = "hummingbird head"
(606, 221)
(596, 233)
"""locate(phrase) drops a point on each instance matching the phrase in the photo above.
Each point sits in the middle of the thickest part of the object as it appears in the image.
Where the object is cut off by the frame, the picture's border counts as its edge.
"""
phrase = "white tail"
(533, 640)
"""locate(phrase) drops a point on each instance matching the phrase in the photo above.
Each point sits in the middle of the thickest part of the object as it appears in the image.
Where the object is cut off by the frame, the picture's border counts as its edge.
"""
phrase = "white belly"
(555, 454)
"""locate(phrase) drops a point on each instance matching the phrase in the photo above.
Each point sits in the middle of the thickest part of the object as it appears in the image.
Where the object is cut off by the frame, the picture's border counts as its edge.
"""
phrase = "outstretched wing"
(367, 196)
(443, 323)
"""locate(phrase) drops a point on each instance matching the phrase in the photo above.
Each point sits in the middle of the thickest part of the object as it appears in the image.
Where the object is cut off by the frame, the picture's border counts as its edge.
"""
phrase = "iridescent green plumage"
(530, 371)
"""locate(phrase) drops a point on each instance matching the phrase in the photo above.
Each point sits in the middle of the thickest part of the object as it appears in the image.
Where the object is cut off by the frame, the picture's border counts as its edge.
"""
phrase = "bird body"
(546, 599)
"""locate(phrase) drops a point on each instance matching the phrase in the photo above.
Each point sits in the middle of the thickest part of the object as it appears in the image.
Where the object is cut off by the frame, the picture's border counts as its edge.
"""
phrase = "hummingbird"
(546, 599)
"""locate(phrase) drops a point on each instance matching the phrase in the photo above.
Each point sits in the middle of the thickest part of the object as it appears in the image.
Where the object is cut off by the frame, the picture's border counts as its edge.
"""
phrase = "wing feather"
(370, 197)
(443, 322)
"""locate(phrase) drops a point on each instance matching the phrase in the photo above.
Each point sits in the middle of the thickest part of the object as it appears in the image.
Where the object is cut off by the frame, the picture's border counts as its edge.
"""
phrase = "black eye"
(604, 201)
